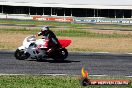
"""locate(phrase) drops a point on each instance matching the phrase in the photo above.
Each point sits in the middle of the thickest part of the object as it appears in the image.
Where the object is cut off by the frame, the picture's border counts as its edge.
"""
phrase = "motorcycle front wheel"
(20, 55)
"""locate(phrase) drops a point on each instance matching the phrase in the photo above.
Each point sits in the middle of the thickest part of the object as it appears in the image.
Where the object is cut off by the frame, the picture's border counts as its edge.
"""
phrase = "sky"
(88, 2)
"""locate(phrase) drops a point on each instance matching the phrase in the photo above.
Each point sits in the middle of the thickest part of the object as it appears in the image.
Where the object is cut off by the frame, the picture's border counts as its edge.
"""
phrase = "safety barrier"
(100, 20)
(95, 20)
(60, 19)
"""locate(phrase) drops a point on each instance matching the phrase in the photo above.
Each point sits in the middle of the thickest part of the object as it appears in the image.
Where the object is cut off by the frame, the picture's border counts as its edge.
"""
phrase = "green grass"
(29, 81)
(63, 24)
(38, 82)
(113, 26)
(72, 25)
(40, 23)
(69, 33)
(86, 33)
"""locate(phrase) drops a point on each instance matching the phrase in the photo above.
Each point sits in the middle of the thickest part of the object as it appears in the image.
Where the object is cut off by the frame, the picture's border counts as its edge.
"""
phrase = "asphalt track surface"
(95, 63)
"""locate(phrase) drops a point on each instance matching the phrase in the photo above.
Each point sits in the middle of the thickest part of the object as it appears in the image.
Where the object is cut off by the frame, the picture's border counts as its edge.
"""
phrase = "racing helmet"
(45, 28)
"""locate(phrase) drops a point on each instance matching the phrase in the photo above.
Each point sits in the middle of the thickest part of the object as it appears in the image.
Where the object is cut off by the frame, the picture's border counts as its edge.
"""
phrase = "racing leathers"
(53, 42)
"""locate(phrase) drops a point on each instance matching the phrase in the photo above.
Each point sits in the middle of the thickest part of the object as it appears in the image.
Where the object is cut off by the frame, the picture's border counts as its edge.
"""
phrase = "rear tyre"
(60, 55)
(20, 55)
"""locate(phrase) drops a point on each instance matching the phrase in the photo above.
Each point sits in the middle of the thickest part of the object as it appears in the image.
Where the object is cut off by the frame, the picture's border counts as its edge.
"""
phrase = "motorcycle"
(36, 49)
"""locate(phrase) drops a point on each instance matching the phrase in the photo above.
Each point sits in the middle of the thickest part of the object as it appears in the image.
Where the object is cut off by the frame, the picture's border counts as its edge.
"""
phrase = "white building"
(76, 8)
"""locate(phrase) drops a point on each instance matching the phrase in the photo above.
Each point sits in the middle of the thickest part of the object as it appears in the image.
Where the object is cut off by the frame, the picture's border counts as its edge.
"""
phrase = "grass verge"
(49, 82)
(70, 33)
(62, 24)
(82, 40)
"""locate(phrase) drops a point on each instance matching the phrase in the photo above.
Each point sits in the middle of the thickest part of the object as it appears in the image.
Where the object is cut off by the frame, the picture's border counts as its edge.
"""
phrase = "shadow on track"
(53, 61)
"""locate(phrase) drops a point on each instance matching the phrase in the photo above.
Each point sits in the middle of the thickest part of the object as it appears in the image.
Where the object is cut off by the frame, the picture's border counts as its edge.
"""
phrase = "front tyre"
(20, 55)
(60, 55)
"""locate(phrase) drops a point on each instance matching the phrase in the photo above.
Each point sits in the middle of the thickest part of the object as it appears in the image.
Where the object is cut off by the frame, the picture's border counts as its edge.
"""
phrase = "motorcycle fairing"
(64, 43)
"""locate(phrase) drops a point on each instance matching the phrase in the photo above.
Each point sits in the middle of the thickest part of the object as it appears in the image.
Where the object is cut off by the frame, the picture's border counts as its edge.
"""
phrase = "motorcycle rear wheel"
(60, 55)
(20, 55)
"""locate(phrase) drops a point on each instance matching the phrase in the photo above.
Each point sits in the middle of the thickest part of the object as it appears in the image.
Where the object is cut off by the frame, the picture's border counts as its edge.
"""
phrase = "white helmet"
(45, 28)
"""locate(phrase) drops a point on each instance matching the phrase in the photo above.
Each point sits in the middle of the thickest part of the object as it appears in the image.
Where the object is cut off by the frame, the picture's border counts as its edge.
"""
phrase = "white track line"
(56, 75)
(34, 74)
(98, 75)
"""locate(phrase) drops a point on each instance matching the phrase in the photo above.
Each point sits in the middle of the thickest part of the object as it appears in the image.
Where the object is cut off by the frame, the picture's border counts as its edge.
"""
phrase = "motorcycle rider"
(49, 35)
